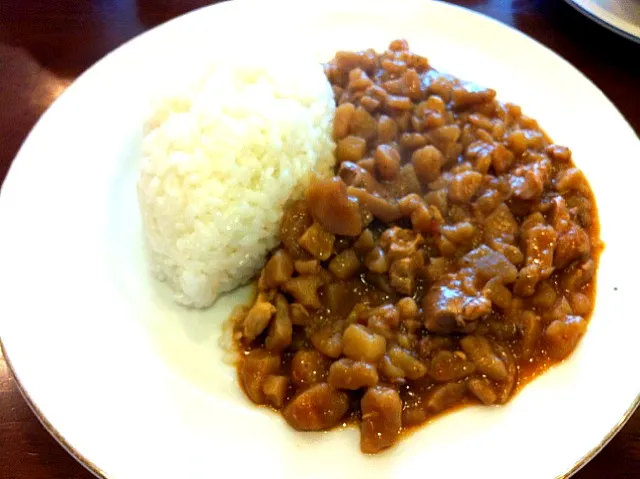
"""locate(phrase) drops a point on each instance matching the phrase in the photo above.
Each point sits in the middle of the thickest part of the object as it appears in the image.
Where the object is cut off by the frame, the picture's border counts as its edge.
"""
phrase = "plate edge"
(60, 439)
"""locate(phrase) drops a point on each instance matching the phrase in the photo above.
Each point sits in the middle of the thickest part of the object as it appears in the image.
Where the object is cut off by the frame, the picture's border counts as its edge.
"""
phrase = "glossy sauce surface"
(450, 260)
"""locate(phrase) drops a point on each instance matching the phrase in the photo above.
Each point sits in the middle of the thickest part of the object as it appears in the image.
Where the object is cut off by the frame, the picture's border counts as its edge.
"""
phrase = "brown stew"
(451, 258)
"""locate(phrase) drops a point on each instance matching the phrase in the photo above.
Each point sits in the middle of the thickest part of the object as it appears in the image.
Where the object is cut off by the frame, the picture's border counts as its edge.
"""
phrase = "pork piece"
(402, 275)
(571, 245)
(381, 419)
(380, 207)
(257, 366)
(295, 221)
(528, 181)
(278, 269)
(351, 375)
(350, 148)
(427, 162)
(487, 264)
(444, 396)
(360, 344)
(450, 304)
(318, 241)
(447, 366)
(281, 328)
(479, 350)
(411, 366)
(317, 408)
(305, 290)
(308, 367)
(540, 244)
(275, 390)
(481, 388)
(356, 176)
(333, 208)
(562, 335)
(400, 242)
(464, 186)
(467, 93)
(258, 319)
(501, 225)
(560, 217)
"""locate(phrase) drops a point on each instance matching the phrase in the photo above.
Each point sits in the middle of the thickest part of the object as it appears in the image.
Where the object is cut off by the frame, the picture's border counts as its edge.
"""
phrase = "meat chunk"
(257, 319)
(354, 175)
(411, 366)
(376, 261)
(488, 264)
(381, 419)
(405, 182)
(460, 233)
(562, 335)
(571, 245)
(447, 366)
(275, 390)
(333, 208)
(402, 275)
(532, 329)
(278, 269)
(427, 162)
(281, 328)
(444, 396)
(467, 93)
(479, 351)
(380, 207)
(448, 307)
(387, 160)
(345, 264)
(328, 340)
(349, 374)
(317, 241)
(317, 408)
(307, 267)
(383, 319)
(308, 367)
(342, 119)
(540, 245)
(350, 148)
(560, 217)
(360, 344)
(295, 221)
(305, 290)
(528, 181)
(481, 388)
(400, 242)
(464, 185)
(256, 367)
(501, 225)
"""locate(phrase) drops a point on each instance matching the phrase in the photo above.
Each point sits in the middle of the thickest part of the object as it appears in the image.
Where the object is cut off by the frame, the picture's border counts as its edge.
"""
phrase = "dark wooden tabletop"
(46, 44)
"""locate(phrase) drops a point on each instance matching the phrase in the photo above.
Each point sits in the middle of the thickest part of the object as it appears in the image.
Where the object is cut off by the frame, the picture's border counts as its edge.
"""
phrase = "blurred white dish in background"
(620, 16)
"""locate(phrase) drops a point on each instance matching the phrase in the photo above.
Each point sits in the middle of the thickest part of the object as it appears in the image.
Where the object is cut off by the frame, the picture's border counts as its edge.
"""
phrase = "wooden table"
(46, 44)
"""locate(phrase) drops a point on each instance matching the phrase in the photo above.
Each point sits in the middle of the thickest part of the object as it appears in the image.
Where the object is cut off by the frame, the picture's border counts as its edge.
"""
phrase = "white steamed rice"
(225, 147)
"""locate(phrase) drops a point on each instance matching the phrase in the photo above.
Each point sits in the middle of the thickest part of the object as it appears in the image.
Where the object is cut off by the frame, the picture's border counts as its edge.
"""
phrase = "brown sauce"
(450, 261)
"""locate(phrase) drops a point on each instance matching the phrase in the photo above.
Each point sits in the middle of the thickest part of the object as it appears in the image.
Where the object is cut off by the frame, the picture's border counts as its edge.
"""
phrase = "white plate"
(621, 16)
(137, 387)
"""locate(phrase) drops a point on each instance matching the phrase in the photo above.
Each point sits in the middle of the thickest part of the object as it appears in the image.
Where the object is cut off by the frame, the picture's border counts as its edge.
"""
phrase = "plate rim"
(98, 472)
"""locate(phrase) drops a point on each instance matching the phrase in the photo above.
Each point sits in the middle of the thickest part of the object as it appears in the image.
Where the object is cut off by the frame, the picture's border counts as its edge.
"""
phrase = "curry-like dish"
(450, 259)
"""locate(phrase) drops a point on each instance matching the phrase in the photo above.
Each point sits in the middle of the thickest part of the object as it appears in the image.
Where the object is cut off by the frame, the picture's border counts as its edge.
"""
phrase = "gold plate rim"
(94, 469)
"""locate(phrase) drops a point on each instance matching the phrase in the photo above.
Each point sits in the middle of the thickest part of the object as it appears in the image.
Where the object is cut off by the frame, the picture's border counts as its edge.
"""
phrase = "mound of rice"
(225, 147)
